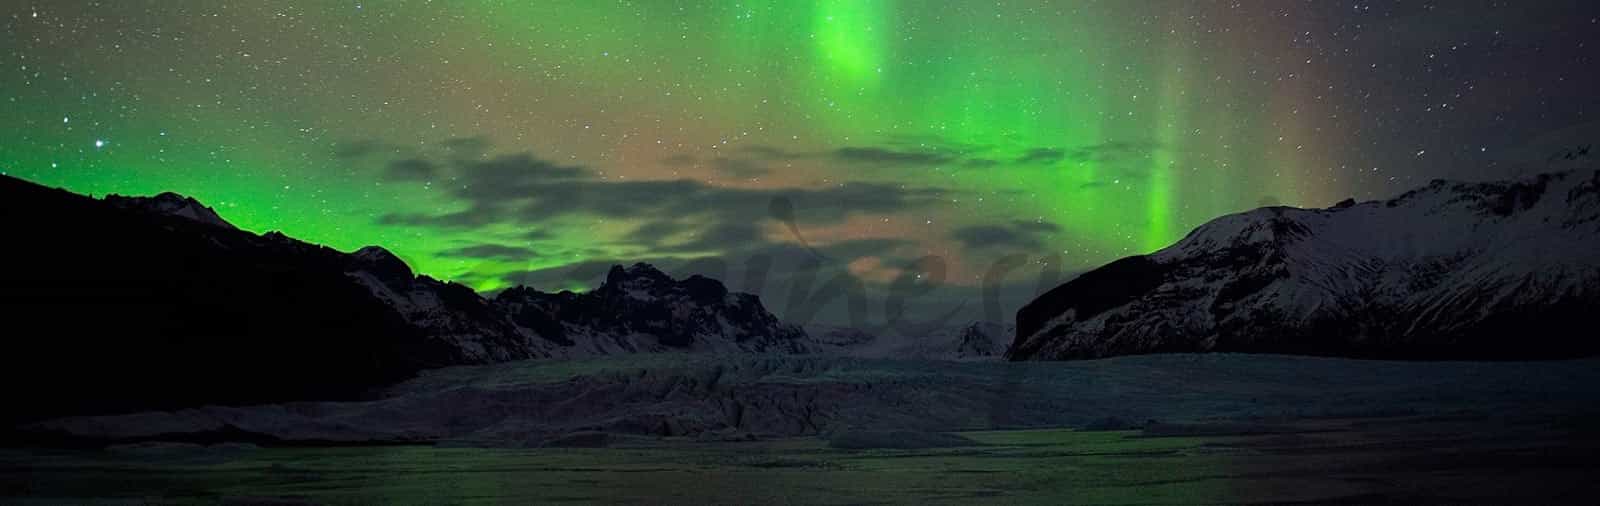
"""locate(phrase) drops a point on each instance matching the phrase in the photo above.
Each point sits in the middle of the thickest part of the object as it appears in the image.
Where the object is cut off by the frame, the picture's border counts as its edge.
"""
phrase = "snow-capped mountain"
(637, 310)
(977, 340)
(157, 303)
(171, 204)
(445, 312)
(1498, 270)
(124, 304)
(641, 309)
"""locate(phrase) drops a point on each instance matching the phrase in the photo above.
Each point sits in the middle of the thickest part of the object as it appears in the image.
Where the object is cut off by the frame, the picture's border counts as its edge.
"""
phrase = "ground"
(1391, 459)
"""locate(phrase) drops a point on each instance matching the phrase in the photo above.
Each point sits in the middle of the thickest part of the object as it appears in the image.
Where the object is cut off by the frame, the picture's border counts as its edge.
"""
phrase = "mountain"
(641, 309)
(117, 305)
(1453, 270)
(974, 341)
(132, 303)
(638, 309)
(169, 203)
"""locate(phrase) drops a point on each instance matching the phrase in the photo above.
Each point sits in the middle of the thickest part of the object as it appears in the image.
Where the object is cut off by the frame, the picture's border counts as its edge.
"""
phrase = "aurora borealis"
(502, 142)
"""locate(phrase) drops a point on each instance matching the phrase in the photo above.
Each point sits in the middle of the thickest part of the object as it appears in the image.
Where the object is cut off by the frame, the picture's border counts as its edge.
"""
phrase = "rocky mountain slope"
(974, 341)
(134, 303)
(641, 309)
(1498, 270)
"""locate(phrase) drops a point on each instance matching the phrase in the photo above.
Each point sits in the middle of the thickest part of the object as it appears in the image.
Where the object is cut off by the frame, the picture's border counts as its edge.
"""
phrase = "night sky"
(496, 143)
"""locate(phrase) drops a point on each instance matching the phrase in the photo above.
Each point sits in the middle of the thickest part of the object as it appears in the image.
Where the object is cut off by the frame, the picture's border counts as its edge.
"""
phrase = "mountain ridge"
(137, 303)
(1434, 273)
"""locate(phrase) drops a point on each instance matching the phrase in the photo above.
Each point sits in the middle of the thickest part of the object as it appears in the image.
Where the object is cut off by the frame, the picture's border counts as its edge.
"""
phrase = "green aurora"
(1113, 127)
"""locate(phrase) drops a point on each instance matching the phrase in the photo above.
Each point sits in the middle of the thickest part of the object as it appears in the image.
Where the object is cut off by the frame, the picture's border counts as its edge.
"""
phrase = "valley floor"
(1399, 460)
(692, 429)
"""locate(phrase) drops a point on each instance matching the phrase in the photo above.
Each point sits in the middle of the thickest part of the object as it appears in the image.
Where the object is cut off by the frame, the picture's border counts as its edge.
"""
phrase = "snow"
(943, 343)
(693, 394)
(1450, 254)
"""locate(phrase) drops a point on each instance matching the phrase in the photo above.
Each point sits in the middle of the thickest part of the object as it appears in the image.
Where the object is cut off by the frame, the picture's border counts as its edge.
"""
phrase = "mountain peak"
(172, 204)
(1443, 271)
(639, 275)
(381, 263)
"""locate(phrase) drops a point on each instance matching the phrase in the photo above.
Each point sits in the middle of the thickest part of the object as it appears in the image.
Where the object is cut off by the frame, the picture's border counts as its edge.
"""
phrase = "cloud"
(524, 190)
(1041, 155)
(467, 146)
(1110, 151)
(752, 160)
(1036, 226)
(718, 238)
(491, 251)
(655, 232)
(359, 148)
(739, 167)
(729, 265)
(459, 219)
(411, 169)
(993, 236)
(688, 226)
(1019, 234)
(538, 234)
(766, 152)
(885, 156)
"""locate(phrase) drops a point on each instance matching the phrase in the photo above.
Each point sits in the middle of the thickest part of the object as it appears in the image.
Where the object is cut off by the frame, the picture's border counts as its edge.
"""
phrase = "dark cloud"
(766, 152)
(511, 177)
(1110, 151)
(538, 234)
(411, 169)
(655, 232)
(753, 159)
(1041, 155)
(1019, 234)
(459, 219)
(467, 146)
(359, 148)
(937, 143)
(524, 190)
(739, 167)
(885, 156)
(994, 236)
(729, 266)
(488, 251)
(799, 289)
(719, 237)
(1036, 226)
(694, 227)
(585, 274)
